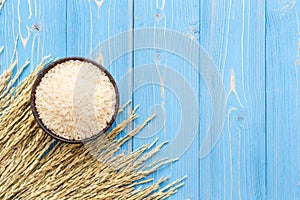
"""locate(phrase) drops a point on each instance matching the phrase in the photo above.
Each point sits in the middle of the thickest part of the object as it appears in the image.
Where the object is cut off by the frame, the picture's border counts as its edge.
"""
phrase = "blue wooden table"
(255, 47)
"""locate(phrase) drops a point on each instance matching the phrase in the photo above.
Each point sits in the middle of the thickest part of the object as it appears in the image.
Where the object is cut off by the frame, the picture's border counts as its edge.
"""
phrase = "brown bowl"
(37, 82)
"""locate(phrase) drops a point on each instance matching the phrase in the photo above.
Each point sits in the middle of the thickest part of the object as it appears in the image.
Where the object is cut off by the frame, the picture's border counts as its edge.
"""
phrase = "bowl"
(33, 100)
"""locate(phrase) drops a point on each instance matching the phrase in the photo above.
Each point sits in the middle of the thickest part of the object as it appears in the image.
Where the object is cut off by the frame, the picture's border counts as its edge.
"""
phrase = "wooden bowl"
(40, 122)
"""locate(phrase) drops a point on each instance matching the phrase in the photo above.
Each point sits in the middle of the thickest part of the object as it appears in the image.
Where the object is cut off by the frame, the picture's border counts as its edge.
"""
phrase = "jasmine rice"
(75, 100)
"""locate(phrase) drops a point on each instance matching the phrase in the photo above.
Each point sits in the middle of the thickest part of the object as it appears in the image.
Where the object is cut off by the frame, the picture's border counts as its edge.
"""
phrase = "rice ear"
(30, 169)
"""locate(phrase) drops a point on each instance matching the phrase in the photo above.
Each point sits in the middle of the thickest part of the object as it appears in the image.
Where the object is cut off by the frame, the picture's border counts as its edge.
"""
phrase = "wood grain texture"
(158, 96)
(283, 139)
(40, 28)
(233, 33)
(256, 48)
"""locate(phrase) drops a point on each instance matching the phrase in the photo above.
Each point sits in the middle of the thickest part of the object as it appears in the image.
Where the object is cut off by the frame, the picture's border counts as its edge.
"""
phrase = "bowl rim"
(39, 78)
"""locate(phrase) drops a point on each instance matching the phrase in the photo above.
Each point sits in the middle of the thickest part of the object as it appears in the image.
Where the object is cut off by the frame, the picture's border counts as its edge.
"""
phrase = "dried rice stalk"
(90, 171)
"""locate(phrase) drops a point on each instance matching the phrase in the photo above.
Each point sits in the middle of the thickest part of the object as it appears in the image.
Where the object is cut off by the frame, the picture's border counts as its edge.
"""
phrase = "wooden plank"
(90, 24)
(40, 27)
(233, 33)
(283, 139)
(157, 75)
(93, 23)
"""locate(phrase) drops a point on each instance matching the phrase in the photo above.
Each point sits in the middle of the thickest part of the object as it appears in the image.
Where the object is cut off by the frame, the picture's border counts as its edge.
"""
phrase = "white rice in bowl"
(75, 100)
